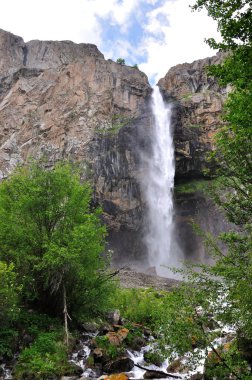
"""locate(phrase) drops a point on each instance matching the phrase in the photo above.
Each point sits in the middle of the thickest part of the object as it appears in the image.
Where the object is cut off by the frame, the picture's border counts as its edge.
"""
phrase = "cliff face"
(60, 100)
(198, 101)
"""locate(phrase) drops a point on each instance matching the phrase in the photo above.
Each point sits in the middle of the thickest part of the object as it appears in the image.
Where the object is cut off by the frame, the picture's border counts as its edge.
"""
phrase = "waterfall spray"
(159, 184)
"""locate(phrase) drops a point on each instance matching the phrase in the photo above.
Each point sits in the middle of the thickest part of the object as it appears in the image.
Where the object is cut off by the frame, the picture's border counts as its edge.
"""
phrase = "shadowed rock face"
(198, 101)
(62, 100)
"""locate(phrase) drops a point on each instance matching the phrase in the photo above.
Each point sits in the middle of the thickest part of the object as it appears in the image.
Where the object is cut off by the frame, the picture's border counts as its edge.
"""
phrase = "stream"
(80, 359)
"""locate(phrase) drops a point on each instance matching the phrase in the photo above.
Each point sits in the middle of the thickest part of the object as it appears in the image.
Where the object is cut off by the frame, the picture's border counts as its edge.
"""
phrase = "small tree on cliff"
(121, 61)
(55, 239)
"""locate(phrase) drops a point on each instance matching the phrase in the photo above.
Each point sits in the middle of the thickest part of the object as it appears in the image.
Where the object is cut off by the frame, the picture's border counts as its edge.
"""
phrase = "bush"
(121, 61)
(140, 305)
(46, 357)
(9, 310)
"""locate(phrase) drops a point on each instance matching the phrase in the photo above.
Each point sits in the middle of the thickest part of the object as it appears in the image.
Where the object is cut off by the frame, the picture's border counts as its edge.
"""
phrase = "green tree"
(55, 239)
(234, 18)
(121, 61)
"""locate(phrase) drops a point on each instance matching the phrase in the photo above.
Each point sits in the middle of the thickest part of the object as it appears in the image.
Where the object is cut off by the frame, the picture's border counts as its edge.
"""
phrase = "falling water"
(159, 186)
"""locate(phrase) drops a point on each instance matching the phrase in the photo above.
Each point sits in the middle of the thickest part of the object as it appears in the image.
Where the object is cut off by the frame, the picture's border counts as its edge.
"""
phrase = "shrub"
(46, 357)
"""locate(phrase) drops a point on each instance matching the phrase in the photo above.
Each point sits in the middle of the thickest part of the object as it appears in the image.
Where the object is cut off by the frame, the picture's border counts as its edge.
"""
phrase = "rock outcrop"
(198, 102)
(62, 100)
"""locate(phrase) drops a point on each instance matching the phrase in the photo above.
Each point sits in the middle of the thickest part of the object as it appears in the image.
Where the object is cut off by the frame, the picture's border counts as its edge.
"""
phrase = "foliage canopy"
(54, 237)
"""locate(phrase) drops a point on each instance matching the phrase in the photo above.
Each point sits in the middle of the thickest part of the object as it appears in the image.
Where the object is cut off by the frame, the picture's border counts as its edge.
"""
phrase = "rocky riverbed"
(132, 279)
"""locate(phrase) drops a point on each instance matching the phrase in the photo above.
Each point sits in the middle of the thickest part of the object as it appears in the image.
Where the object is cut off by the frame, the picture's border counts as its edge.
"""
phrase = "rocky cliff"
(198, 102)
(65, 101)
(61, 100)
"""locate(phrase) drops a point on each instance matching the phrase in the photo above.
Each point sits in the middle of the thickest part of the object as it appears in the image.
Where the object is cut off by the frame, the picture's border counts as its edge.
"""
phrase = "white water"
(158, 188)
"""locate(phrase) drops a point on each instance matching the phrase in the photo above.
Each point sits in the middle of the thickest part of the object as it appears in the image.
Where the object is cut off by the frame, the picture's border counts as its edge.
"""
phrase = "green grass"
(118, 121)
(193, 186)
(139, 305)
(187, 97)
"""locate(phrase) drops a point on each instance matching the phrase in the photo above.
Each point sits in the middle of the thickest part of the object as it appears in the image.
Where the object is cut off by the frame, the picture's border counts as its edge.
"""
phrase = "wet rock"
(114, 317)
(197, 376)
(90, 327)
(177, 366)
(137, 343)
(98, 355)
(105, 328)
(122, 364)
(153, 375)
(82, 353)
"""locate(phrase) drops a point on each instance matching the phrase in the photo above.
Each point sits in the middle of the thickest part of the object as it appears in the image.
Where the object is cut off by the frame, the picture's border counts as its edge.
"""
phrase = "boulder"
(118, 337)
(114, 317)
(122, 364)
(105, 328)
(137, 343)
(120, 376)
(82, 353)
(90, 327)
(98, 355)
(177, 366)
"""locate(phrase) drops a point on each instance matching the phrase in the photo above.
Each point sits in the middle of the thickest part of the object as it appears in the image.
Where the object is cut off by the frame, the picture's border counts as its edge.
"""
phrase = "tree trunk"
(66, 316)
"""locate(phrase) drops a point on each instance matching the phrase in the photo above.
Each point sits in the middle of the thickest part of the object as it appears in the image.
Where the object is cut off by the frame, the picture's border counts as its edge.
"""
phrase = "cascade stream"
(159, 185)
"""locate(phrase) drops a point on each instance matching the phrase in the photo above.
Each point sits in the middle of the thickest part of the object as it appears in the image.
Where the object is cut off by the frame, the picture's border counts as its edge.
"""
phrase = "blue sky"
(155, 34)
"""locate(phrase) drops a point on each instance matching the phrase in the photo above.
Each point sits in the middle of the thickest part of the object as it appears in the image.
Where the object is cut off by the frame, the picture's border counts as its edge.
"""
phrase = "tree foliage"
(121, 61)
(8, 293)
(54, 237)
(234, 18)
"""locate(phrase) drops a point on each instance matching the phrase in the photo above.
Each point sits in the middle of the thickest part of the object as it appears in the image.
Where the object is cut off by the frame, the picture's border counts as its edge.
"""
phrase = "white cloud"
(51, 19)
(183, 38)
(172, 34)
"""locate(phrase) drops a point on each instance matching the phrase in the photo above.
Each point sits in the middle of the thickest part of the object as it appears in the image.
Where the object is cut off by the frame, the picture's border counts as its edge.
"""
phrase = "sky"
(154, 34)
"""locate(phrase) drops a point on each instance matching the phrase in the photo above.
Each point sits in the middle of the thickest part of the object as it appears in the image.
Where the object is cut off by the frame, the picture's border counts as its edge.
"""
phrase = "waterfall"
(158, 188)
